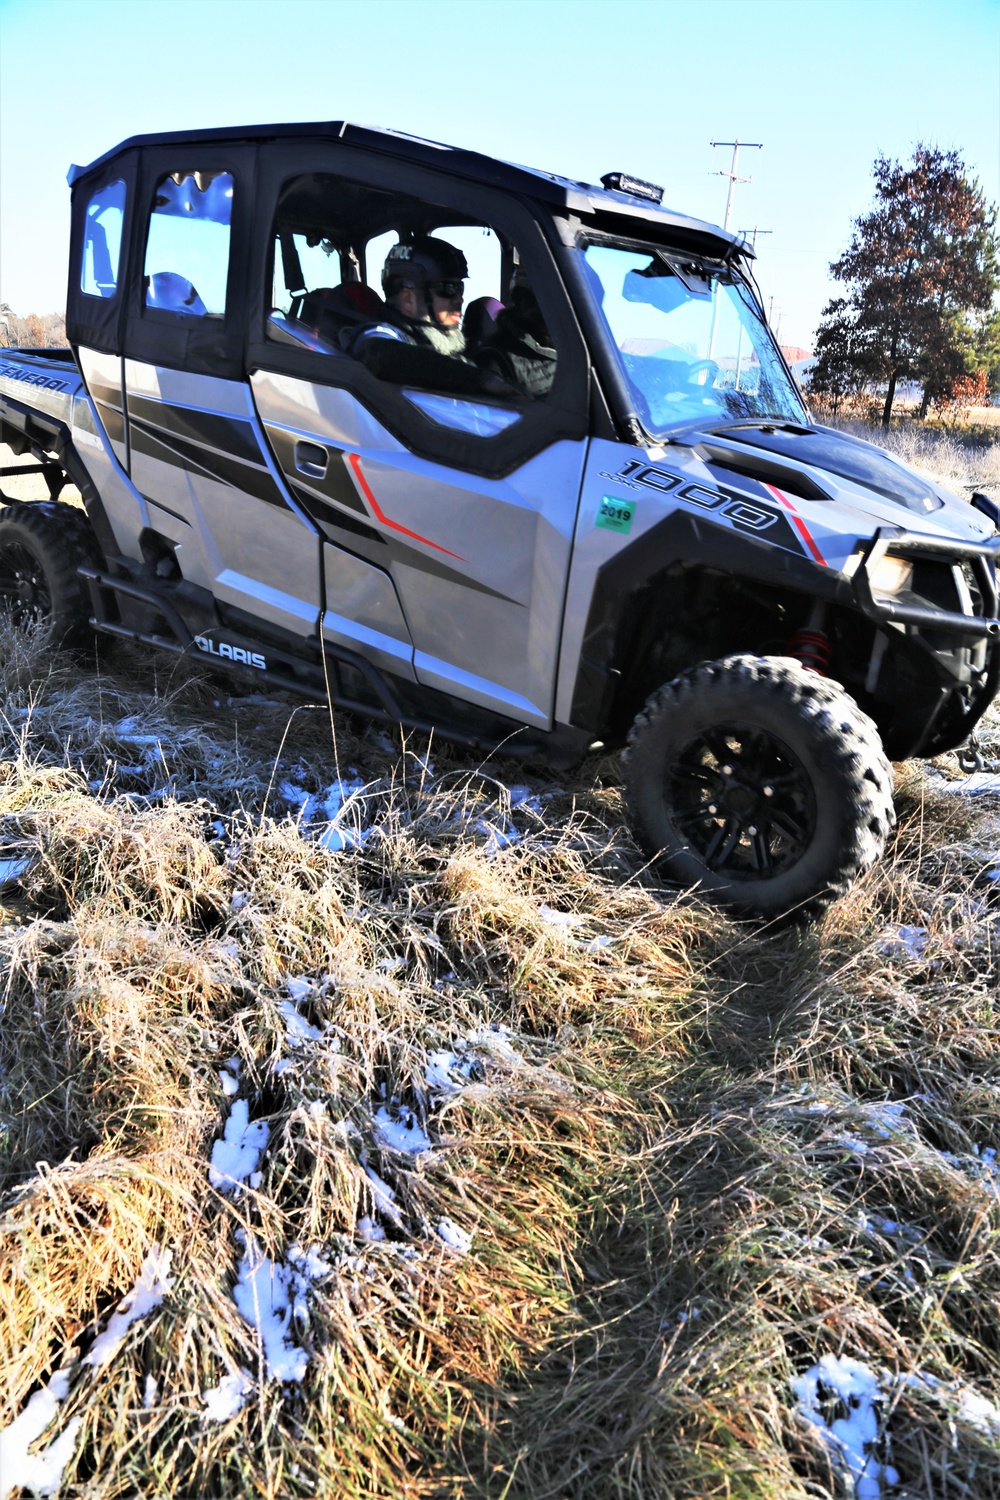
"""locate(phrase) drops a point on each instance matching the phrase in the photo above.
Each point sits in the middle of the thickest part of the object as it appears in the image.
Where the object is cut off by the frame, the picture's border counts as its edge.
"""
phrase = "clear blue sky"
(580, 87)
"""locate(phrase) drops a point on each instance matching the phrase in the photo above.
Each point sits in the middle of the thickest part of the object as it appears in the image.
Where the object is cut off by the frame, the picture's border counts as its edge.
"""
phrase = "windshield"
(691, 341)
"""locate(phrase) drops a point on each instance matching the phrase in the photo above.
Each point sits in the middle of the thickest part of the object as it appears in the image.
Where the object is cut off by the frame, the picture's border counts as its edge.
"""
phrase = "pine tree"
(918, 267)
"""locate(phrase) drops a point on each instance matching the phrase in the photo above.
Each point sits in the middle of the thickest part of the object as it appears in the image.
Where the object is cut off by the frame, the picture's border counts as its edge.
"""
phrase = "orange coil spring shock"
(812, 648)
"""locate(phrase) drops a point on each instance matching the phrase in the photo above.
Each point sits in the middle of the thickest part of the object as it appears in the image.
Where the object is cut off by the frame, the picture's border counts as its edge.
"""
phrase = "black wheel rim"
(742, 801)
(24, 590)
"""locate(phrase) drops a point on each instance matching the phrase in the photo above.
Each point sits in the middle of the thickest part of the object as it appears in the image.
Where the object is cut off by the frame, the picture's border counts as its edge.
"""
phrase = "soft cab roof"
(615, 210)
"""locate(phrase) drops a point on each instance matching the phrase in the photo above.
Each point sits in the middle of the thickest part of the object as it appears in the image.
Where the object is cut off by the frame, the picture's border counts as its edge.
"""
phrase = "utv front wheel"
(41, 547)
(760, 783)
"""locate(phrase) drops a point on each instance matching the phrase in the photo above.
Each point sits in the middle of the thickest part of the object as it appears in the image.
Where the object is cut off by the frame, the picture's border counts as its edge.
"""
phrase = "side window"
(187, 247)
(435, 305)
(103, 241)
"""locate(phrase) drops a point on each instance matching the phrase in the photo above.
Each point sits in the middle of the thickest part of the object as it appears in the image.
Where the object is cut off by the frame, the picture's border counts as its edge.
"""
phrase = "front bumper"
(982, 558)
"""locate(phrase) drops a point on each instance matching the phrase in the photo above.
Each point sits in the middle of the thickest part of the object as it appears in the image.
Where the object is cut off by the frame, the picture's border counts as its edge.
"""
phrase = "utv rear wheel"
(760, 783)
(41, 547)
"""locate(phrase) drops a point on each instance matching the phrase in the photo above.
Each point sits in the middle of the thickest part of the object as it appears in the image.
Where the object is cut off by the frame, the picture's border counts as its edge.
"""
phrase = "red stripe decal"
(355, 462)
(797, 522)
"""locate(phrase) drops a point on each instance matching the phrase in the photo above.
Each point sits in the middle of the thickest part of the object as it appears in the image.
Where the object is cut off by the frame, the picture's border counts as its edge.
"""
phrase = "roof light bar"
(621, 182)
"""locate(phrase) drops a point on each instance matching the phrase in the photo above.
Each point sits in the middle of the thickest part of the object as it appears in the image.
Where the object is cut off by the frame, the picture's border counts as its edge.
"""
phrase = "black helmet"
(421, 260)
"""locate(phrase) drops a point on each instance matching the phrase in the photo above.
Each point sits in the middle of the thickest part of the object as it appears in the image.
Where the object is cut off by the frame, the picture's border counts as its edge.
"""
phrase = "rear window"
(187, 246)
(102, 241)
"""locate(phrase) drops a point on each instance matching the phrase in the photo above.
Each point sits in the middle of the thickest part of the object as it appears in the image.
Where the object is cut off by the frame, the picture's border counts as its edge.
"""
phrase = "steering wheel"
(708, 366)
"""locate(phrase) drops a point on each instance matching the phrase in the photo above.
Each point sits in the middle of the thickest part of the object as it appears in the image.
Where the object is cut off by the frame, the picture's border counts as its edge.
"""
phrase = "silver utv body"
(506, 568)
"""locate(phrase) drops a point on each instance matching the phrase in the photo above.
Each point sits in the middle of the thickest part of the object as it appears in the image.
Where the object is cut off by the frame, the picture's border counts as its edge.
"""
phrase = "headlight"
(890, 575)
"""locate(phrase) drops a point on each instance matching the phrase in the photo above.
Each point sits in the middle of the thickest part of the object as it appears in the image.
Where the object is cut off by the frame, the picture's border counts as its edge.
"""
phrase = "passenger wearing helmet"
(418, 339)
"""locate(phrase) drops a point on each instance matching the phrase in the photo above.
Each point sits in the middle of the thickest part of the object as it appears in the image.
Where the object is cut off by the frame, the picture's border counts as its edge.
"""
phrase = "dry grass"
(692, 1159)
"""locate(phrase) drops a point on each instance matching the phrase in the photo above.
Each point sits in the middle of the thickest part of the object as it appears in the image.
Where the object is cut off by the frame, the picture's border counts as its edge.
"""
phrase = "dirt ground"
(28, 486)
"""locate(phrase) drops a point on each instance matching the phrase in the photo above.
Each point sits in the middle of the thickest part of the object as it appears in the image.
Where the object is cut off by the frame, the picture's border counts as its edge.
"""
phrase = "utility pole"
(731, 174)
(754, 232)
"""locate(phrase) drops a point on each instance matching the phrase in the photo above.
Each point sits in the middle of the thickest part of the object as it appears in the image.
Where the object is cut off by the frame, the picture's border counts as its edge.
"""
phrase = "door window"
(187, 247)
(435, 306)
(102, 241)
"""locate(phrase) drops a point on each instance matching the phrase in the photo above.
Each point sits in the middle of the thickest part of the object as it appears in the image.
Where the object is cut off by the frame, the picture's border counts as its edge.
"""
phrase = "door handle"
(311, 459)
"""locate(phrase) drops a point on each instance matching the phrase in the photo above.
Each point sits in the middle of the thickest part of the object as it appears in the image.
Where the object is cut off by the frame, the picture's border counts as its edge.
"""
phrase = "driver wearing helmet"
(419, 338)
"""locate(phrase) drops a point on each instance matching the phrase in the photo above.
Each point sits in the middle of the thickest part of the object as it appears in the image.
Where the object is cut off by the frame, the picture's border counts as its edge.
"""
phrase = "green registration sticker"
(615, 515)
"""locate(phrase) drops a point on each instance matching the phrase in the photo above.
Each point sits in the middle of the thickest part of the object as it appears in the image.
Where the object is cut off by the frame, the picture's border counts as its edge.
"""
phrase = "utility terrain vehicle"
(653, 546)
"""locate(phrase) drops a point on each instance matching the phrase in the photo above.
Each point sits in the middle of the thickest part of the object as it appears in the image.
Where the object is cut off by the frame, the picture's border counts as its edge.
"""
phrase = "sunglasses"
(446, 289)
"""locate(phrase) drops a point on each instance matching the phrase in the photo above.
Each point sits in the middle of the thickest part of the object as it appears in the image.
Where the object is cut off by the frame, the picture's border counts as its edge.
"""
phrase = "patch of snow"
(454, 1236)
(238, 1153)
(224, 1400)
(973, 785)
(497, 837)
(850, 1438)
(389, 965)
(908, 941)
(238, 900)
(309, 1265)
(596, 944)
(269, 1295)
(522, 796)
(563, 919)
(441, 1069)
(385, 1198)
(282, 1066)
(369, 1230)
(329, 806)
(149, 1291)
(230, 1084)
(297, 1028)
(300, 988)
(41, 1472)
(979, 1412)
(860, 1148)
(400, 1130)
(149, 1393)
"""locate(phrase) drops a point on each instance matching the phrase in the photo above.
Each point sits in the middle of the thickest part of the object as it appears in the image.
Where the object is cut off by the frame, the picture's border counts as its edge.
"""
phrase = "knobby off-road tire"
(41, 546)
(759, 782)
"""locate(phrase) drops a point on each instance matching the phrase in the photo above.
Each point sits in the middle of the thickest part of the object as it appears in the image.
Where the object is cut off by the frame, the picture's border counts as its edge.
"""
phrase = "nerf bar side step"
(389, 711)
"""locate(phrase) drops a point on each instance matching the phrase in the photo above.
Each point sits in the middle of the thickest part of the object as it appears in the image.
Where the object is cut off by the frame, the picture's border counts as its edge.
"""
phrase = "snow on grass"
(297, 1029)
(840, 1383)
(456, 1238)
(385, 1198)
(370, 1230)
(40, 1472)
(236, 1156)
(400, 1130)
(224, 1400)
(272, 1298)
(975, 784)
(447, 1073)
(230, 1082)
(149, 1291)
(904, 941)
(564, 920)
(322, 813)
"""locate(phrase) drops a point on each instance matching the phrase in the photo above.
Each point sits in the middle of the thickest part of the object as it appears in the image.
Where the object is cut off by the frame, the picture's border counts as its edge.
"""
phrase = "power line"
(731, 174)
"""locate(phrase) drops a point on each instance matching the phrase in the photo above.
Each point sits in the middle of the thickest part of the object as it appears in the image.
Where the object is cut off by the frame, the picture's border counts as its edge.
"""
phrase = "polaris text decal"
(742, 513)
(33, 377)
(231, 653)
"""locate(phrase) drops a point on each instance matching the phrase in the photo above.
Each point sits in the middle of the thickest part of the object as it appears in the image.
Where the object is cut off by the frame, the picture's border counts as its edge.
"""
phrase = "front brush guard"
(983, 557)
